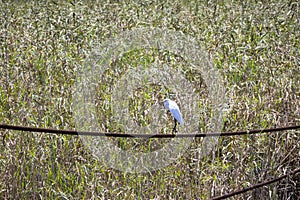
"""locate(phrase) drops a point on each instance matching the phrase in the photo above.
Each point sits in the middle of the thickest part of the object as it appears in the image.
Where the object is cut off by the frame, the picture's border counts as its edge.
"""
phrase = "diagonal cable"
(268, 182)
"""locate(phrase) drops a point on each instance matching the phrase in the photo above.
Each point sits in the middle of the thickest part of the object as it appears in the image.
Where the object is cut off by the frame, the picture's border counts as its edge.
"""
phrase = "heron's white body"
(174, 109)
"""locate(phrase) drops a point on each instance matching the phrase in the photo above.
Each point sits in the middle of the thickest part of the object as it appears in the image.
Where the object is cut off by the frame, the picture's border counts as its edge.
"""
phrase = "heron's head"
(165, 100)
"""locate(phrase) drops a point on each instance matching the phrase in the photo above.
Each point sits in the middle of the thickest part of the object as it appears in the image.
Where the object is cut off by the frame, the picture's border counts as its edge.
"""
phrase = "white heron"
(175, 112)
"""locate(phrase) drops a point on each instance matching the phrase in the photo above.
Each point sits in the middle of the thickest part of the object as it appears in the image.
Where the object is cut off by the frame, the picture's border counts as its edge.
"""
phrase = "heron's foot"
(174, 130)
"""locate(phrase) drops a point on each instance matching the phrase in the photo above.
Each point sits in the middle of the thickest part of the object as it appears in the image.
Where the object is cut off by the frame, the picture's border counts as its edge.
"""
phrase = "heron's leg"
(174, 129)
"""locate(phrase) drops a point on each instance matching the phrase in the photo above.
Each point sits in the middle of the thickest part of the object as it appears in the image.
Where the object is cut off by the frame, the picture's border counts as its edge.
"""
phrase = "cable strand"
(126, 135)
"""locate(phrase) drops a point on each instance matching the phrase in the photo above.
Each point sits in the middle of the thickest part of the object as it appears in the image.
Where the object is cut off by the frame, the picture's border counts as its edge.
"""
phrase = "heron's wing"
(177, 115)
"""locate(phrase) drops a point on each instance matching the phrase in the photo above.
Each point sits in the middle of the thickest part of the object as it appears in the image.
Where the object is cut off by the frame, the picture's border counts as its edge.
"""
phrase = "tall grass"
(255, 45)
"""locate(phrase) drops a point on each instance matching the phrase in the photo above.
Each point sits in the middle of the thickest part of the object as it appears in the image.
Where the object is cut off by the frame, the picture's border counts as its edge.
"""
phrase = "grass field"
(44, 45)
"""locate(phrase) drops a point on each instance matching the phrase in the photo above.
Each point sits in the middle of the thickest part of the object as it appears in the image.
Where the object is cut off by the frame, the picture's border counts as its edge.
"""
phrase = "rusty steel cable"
(126, 135)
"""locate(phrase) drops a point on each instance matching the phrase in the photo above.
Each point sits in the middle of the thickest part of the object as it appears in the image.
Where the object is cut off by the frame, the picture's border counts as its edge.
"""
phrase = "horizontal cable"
(268, 182)
(126, 135)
